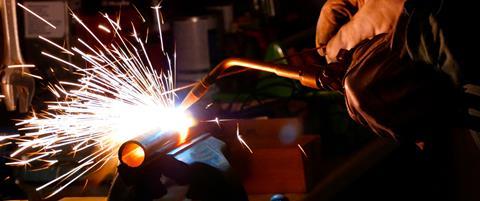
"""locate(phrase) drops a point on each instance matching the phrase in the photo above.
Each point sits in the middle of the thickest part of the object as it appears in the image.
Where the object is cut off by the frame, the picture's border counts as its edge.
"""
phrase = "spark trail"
(119, 95)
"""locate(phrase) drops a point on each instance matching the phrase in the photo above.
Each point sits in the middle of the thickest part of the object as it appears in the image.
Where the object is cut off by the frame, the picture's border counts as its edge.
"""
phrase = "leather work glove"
(18, 89)
(331, 76)
(343, 24)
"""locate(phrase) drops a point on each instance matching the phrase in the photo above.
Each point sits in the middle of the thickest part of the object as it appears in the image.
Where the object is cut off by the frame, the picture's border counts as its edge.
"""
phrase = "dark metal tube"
(152, 145)
(144, 148)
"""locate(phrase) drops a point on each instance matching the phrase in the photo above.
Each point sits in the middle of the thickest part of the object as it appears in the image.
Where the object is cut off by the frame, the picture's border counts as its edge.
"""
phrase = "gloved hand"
(343, 24)
(332, 74)
(18, 89)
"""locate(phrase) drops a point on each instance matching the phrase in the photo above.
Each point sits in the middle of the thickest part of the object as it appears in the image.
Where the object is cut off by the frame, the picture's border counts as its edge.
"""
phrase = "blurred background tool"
(17, 84)
(224, 15)
(194, 43)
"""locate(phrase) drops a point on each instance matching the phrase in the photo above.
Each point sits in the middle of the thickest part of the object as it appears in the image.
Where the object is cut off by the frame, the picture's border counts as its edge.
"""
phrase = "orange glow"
(132, 154)
(184, 127)
(182, 136)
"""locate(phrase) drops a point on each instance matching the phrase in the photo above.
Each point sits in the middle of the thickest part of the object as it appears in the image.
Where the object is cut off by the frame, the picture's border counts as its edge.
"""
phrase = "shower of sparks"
(21, 66)
(240, 139)
(8, 136)
(217, 121)
(4, 144)
(36, 15)
(208, 106)
(139, 13)
(302, 150)
(146, 35)
(118, 97)
(85, 185)
(104, 28)
(56, 45)
(159, 22)
(33, 75)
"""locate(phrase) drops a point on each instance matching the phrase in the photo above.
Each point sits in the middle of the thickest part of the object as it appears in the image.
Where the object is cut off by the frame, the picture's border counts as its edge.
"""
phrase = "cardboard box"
(277, 164)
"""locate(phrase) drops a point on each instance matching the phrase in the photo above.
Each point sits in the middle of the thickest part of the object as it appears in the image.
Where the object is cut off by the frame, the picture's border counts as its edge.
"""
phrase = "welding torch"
(135, 152)
(156, 146)
(151, 145)
(307, 75)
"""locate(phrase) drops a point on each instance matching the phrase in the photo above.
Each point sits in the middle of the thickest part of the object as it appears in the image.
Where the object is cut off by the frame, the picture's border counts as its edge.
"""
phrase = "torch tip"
(189, 100)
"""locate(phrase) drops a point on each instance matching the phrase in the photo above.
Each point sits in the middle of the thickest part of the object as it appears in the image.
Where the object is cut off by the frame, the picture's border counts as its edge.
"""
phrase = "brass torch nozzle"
(308, 76)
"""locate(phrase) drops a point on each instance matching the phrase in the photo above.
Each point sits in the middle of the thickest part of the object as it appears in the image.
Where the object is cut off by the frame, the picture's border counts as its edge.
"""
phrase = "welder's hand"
(18, 89)
(332, 74)
(330, 78)
(345, 23)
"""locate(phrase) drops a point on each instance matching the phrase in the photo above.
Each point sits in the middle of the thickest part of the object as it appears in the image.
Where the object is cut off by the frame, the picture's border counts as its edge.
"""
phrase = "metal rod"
(152, 145)
(136, 152)
(17, 87)
(11, 45)
(308, 76)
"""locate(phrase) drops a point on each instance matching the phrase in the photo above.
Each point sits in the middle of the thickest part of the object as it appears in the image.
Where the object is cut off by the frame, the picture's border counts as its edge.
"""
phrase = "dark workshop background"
(280, 31)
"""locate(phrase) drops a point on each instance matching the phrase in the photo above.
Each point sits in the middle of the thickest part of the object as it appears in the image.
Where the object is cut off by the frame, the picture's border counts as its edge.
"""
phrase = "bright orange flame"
(132, 121)
(182, 136)
(132, 154)
(184, 127)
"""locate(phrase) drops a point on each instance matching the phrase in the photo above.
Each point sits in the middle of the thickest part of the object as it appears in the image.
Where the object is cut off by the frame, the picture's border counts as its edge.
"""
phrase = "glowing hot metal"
(119, 97)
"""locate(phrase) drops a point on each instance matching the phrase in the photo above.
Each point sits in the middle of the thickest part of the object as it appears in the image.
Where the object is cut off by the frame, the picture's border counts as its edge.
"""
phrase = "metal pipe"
(308, 76)
(11, 45)
(152, 145)
(141, 149)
